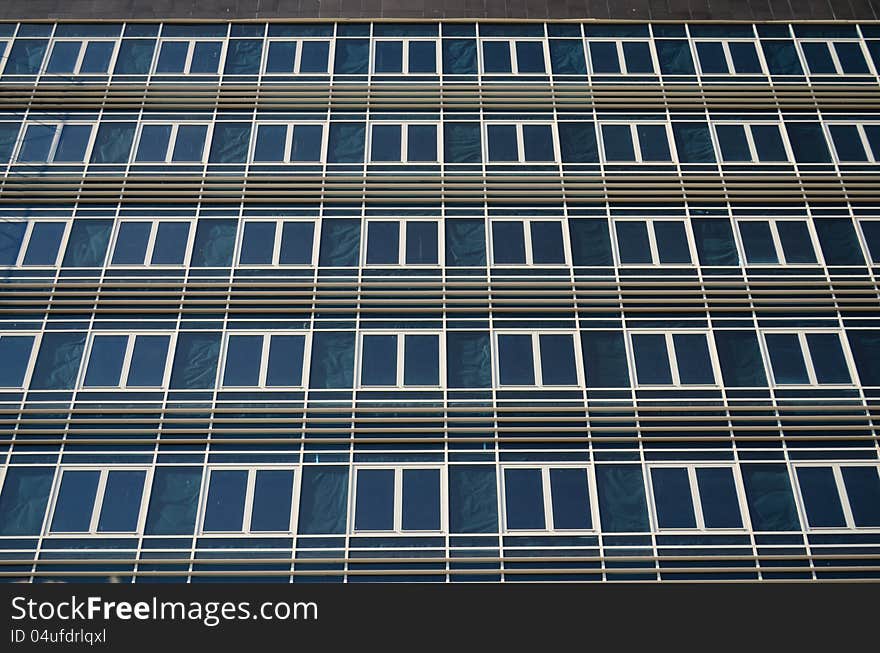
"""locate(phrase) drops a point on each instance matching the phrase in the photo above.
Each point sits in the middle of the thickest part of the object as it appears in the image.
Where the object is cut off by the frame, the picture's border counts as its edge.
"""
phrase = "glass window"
(405, 56)
(520, 143)
(805, 358)
(183, 57)
(300, 143)
(86, 57)
(621, 57)
(99, 501)
(404, 242)
(58, 143)
(834, 58)
(292, 57)
(528, 242)
(750, 143)
(127, 361)
(15, 352)
(547, 499)
(403, 143)
(277, 242)
(545, 359)
(840, 496)
(522, 57)
(635, 142)
(44, 243)
(264, 360)
(672, 359)
(871, 232)
(696, 497)
(24, 499)
(652, 242)
(249, 500)
(775, 242)
(163, 242)
(398, 499)
(406, 359)
(849, 142)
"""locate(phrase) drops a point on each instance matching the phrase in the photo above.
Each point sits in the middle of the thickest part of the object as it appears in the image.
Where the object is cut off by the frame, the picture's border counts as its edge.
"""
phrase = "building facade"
(439, 301)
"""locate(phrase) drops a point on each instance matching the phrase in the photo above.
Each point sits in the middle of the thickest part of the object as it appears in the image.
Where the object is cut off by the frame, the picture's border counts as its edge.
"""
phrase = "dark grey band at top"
(750, 10)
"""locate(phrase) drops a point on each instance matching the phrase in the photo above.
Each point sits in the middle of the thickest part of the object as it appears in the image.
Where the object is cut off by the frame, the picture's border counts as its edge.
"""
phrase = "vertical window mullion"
(276, 245)
(527, 241)
(520, 144)
(264, 360)
(844, 497)
(401, 239)
(190, 50)
(99, 501)
(865, 143)
(673, 361)
(548, 500)
(652, 242)
(151, 241)
(26, 242)
(288, 142)
(634, 136)
(401, 338)
(777, 242)
(126, 361)
(398, 499)
(249, 500)
(80, 56)
(53, 148)
(808, 359)
(621, 60)
(536, 359)
(695, 497)
(728, 58)
(172, 139)
(750, 139)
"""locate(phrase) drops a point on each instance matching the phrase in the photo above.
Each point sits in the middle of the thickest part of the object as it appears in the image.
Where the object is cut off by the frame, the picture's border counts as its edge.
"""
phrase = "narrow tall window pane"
(672, 497)
(297, 243)
(557, 359)
(44, 243)
(672, 242)
(148, 361)
(385, 145)
(122, 501)
(524, 499)
(131, 243)
(75, 502)
(285, 360)
(863, 491)
(379, 360)
(829, 363)
(652, 359)
(171, 243)
(374, 504)
(243, 356)
(821, 498)
(421, 243)
(515, 362)
(786, 358)
(421, 360)
(105, 361)
(273, 496)
(633, 243)
(571, 499)
(383, 240)
(547, 245)
(421, 499)
(257, 243)
(226, 497)
(718, 497)
(692, 358)
(508, 242)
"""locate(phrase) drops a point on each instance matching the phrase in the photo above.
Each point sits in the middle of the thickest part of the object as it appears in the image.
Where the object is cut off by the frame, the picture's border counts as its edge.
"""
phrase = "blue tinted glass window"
(172, 57)
(808, 142)
(105, 361)
(257, 243)
(190, 143)
(421, 360)
(44, 243)
(570, 496)
(421, 243)
(758, 242)
(567, 57)
(421, 143)
(632, 242)
(171, 242)
(786, 358)
(97, 57)
(422, 57)
(11, 237)
(863, 491)
(618, 143)
(675, 57)
(281, 57)
(459, 56)
(385, 145)
(383, 242)
(195, 360)
(693, 142)
(672, 498)
(768, 143)
(848, 143)
(323, 499)
(496, 57)
(63, 57)
(653, 143)
(818, 58)
(530, 56)
(733, 143)
(113, 142)
(821, 498)
(829, 363)
(637, 55)
(153, 145)
(838, 240)
(243, 56)
(603, 56)
(745, 57)
(692, 358)
(314, 56)
(515, 362)
(508, 242)
(270, 143)
(782, 57)
(25, 57)
(37, 143)
(538, 143)
(148, 361)
(652, 359)
(174, 501)
(58, 361)
(15, 352)
(306, 143)
(797, 245)
(421, 499)
(273, 496)
(24, 499)
(389, 57)
(524, 499)
(672, 243)
(871, 230)
(285, 360)
(122, 501)
(297, 243)
(75, 502)
(379, 360)
(87, 245)
(547, 246)
(131, 243)
(243, 356)
(502, 143)
(374, 505)
(224, 509)
(712, 59)
(205, 57)
(718, 498)
(851, 57)
(557, 359)
(135, 57)
(621, 493)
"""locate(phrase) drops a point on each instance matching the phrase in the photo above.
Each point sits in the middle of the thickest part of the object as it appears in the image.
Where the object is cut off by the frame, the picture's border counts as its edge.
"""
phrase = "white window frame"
(276, 245)
(835, 59)
(172, 142)
(536, 358)
(288, 142)
(26, 241)
(728, 56)
(514, 63)
(866, 144)
(84, 43)
(406, 40)
(222, 40)
(696, 499)
(398, 498)
(842, 495)
(297, 58)
(32, 359)
(750, 139)
(126, 360)
(520, 142)
(103, 472)
(637, 150)
(264, 359)
(808, 359)
(249, 499)
(673, 360)
(621, 59)
(401, 243)
(151, 242)
(652, 242)
(401, 351)
(527, 235)
(56, 140)
(404, 142)
(777, 243)
(545, 468)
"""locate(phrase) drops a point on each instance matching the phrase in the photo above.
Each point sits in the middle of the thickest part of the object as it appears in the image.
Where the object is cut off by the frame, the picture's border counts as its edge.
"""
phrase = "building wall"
(472, 302)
